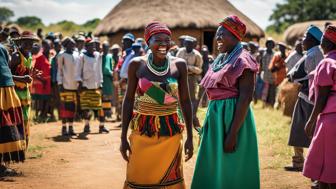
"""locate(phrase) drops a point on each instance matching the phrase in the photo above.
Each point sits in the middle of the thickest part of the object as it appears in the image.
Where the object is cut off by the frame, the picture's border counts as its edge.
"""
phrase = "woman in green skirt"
(228, 153)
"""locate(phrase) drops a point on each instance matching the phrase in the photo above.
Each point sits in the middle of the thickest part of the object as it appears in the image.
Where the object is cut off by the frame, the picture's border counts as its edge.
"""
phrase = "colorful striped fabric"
(12, 132)
(91, 99)
(68, 104)
(22, 89)
(156, 108)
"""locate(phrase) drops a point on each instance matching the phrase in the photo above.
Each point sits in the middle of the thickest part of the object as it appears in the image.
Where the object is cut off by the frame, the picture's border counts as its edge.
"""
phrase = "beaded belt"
(151, 119)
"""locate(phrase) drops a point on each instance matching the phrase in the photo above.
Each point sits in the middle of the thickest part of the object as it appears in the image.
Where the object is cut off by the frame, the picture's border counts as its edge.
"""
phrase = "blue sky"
(79, 11)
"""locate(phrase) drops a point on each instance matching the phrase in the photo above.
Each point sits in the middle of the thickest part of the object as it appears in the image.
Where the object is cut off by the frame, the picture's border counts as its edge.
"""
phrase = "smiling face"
(225, 40)
(159, 45)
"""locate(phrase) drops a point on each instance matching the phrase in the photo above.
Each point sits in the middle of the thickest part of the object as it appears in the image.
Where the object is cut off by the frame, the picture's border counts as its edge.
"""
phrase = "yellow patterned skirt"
(155, 162)
(91, 99)
(12, 131)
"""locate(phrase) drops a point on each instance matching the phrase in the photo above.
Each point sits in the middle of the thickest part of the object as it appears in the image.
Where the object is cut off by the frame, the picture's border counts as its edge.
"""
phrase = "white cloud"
(79, 11)
(258, 10)
(51, 11)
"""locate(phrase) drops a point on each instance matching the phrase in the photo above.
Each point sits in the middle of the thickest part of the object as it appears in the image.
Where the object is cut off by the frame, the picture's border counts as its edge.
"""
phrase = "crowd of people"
(155, 87)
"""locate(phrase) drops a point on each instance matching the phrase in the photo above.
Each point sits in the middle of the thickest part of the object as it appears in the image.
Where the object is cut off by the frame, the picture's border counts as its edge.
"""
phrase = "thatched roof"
(296, 31)
(135, 14)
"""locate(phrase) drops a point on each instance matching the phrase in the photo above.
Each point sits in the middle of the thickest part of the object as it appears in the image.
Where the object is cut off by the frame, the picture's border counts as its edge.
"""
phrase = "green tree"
(91, 23)
(66, 25)
(293, 11)
(30, 22)
(5, 14)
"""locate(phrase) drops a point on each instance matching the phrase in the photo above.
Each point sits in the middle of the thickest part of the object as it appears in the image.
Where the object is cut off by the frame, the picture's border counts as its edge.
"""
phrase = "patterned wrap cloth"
(157, 132)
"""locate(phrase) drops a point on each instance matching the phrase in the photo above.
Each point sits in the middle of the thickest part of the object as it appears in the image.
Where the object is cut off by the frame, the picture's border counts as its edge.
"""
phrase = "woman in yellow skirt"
(12, 137)
(157, 83)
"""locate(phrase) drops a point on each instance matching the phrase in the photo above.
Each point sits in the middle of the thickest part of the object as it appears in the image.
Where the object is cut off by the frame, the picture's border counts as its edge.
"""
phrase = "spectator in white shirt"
(67, 63)
(90, 79)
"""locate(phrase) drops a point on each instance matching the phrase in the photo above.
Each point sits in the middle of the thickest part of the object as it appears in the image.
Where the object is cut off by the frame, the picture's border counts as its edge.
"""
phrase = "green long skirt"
(216, 169)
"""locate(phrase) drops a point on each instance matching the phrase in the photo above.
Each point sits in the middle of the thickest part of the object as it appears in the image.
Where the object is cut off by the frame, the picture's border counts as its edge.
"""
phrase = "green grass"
(36, 151)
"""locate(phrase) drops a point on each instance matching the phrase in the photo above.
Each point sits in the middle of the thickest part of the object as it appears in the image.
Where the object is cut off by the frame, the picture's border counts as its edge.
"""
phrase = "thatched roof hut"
(197, 18)
(296, 31)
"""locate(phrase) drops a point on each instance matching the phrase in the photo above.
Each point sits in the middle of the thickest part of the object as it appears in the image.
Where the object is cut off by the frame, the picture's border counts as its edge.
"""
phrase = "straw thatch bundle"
(133, 15)
(296, 31)
(287, 96)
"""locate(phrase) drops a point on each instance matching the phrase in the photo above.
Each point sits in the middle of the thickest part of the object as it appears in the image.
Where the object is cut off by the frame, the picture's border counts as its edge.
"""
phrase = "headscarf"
(235, 26)
(155, 27)
(315, 32)
(330, 33)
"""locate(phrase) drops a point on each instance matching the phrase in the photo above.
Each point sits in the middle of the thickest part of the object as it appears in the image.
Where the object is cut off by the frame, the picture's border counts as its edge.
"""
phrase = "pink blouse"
(325, 75)
(223, 84)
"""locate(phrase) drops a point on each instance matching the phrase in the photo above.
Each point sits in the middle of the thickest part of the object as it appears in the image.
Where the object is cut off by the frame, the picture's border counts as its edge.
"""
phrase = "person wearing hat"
(194, 62)
(14, 33)
(127, 41)
(181, 40)
(21, 65)
(121, 76)
(80, 43)
(277, 65)
(228, 152)
(157, 84)
(269, 88)
(12, 136)
(144, 46)
(67, 63)
(97, 44)
(320, 163)
(304, 106)
(136, 47)
(90, 79)
(107, 63)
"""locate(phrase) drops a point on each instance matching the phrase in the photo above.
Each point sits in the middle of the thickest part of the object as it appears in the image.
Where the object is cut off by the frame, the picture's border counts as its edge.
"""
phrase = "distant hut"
(197, 18)
(296, 31)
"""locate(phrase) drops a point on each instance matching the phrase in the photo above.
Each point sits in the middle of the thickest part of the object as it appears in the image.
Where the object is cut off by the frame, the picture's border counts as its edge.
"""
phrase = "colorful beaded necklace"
(220, 62)
(158, 70)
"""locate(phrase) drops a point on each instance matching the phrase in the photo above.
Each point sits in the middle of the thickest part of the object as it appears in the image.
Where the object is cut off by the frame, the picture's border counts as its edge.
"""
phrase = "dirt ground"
(94, 161)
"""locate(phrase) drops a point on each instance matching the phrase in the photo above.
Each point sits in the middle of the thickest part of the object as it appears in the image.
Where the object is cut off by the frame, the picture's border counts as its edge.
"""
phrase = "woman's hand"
(310, 128)
(35, 73)
(124, 147)
(189, 148)
(230, 143)
(27, 79)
